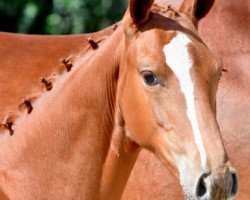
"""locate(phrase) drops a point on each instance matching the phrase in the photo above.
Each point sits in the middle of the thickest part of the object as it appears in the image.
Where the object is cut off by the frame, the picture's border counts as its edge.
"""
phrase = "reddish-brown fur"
(159, 186)
(27, 58)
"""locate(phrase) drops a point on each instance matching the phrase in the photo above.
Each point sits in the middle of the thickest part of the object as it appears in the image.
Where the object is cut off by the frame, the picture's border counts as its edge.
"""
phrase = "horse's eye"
(149, 78)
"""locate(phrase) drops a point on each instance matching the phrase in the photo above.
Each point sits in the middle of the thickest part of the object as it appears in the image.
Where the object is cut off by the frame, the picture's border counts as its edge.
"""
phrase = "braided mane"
(8, 124)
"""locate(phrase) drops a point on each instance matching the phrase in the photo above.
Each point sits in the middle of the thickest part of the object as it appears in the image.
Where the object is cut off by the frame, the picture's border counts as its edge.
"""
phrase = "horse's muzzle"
(217, 186)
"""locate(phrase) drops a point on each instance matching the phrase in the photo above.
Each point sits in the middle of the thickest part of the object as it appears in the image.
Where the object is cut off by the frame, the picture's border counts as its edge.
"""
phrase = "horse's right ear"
(196, 9)
(139, 10)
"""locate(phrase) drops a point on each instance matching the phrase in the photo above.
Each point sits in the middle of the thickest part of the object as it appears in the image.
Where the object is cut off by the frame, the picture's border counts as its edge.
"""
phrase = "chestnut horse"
(152, 84)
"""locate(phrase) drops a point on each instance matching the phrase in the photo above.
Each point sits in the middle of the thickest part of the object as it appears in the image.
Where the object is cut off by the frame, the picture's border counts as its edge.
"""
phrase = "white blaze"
(178, 59)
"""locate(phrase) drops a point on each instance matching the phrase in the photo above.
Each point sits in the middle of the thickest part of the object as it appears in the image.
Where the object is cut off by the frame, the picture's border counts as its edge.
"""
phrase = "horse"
(151, 84)
(226, 31)
(243, 106)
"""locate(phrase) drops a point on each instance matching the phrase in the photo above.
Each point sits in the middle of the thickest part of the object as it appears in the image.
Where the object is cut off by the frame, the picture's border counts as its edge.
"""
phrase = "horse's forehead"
(183, 46)
(177, 56)
(185, 56)
(151, 44)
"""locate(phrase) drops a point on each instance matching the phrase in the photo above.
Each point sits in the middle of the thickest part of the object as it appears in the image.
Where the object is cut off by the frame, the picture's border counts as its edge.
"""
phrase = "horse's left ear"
(196, 9)
(139, 10)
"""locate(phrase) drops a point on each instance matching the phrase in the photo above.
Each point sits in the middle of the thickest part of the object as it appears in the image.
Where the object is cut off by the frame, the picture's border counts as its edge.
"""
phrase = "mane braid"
(8, 123)
(67, 63)
(26, 107)
(47, 84)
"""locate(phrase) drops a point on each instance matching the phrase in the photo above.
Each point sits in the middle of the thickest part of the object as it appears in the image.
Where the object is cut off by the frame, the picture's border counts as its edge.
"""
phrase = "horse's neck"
(63, 143)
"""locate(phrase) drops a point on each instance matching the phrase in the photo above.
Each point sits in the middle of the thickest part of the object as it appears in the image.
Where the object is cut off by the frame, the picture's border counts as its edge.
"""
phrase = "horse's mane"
(66, 65)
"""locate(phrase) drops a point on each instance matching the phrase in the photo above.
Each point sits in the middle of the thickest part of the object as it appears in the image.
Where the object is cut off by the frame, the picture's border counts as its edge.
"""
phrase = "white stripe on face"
(178, 59)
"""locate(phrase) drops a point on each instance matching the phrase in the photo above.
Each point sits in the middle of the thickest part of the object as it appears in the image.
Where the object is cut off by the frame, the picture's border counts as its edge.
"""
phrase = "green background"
(59, 16)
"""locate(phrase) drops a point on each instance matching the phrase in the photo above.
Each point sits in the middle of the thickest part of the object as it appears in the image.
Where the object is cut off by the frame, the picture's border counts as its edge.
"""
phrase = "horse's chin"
(189, 196)
(188, 192)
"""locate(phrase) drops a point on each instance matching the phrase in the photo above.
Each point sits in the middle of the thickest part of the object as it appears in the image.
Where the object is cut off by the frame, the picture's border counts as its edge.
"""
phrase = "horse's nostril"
(235, 185)
(201, 187)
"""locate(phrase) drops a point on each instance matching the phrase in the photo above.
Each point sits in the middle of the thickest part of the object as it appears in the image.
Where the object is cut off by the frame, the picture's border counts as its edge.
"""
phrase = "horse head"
(166, 97)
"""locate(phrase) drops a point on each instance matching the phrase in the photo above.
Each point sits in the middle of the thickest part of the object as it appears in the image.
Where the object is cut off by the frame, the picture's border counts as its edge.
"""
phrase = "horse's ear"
(139, 10)
(196, 9)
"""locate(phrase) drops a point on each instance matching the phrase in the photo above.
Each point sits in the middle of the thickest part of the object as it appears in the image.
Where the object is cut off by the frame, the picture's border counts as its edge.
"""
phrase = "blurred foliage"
(59, 16)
